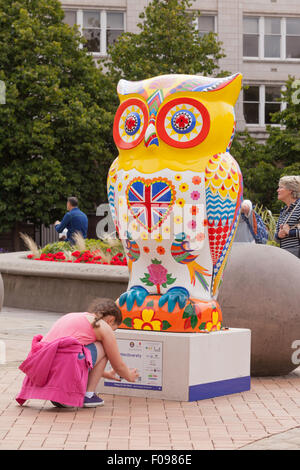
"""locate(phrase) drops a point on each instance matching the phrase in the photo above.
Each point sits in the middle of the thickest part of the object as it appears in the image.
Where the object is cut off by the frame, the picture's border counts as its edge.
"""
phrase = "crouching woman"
(66, 365)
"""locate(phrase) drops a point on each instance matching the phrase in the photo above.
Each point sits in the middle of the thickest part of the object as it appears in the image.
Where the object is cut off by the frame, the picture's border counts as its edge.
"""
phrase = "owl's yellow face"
(173, 121)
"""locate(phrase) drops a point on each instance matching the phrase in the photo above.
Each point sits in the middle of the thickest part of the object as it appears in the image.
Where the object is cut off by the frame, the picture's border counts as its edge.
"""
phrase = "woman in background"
(287, 229)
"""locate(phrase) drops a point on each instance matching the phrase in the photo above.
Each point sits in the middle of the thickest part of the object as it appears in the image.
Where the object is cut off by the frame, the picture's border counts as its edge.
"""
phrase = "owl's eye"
(130, 123)
(183, 123)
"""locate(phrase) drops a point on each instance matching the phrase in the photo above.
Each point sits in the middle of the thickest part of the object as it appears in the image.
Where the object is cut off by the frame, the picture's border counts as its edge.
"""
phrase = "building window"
(271, 37)
(70, 17)
(114, 27)
(272, 103)
(92, 30)
(251, 105)
(206, 24)
(251, 37)
(99, 27)
(260, 102)
(293, 38)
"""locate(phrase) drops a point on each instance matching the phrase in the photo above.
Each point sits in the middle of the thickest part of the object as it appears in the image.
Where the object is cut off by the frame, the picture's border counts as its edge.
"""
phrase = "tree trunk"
(16, 237)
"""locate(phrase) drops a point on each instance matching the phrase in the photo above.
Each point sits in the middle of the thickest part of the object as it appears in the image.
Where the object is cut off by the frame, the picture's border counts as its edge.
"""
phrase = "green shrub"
(56, 247)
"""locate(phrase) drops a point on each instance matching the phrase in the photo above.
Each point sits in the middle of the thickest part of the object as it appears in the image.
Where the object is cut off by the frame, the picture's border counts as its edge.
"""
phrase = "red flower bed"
(82, 257)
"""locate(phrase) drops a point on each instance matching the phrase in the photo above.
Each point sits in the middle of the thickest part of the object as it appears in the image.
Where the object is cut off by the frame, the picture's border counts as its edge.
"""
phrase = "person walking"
(74, 221)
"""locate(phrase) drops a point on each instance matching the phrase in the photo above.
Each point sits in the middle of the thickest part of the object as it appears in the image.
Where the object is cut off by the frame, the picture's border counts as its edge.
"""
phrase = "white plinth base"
(183, 366)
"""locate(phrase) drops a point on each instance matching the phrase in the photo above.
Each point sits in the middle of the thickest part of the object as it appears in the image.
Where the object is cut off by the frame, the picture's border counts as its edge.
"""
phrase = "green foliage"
(55, 128)
(89, 244)
(262, 165)
(166, 44)
(95, 244)
(56, 247)
(270, 221)
(260, 175)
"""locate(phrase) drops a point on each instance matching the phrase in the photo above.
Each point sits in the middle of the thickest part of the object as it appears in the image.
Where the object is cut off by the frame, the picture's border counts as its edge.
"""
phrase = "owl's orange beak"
(150, 135)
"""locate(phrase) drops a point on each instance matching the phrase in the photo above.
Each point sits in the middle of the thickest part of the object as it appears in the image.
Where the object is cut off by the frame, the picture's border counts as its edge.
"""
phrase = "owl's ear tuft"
(228, 88)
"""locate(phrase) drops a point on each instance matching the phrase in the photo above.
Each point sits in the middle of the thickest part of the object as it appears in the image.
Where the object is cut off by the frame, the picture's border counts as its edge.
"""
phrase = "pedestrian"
(75, 221)
(244, 232)
(66, 365)
(288, 224)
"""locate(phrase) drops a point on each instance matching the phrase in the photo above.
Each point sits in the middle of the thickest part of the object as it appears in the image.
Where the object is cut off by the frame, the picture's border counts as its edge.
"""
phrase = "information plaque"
(146, 357)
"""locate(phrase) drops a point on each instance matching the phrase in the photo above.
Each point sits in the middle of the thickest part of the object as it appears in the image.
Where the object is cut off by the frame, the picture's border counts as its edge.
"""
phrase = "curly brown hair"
(102, 307)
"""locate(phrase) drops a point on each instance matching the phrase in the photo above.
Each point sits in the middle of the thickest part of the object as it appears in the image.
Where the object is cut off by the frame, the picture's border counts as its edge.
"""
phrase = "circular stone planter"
(261, 291)
(58, 287)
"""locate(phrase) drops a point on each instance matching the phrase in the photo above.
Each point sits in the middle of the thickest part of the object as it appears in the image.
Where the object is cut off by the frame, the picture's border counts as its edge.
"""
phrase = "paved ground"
(266, 417)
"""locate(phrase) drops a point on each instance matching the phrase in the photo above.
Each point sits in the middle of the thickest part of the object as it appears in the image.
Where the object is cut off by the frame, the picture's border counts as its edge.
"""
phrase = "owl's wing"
(224, 189)
(111, 183)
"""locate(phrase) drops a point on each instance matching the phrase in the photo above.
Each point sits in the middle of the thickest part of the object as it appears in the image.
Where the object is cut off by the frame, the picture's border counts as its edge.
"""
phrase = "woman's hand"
(284, 230)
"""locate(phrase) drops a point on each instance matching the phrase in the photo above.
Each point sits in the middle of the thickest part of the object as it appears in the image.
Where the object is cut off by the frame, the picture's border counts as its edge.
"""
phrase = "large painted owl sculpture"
(175, 194)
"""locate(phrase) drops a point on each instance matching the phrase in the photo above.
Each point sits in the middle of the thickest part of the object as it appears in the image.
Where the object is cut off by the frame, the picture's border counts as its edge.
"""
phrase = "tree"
(56, 126)
(168, 43)
(284, 141)
(263, 164)
(260, 175)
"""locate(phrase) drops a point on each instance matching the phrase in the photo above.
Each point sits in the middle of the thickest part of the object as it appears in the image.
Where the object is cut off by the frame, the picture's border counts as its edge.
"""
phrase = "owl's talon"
(136, 293)
(174, 295)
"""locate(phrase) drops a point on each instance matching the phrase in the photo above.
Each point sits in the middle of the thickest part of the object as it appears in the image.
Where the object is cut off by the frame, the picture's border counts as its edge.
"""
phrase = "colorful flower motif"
(180, 202)
(178, 219)
(158, 274)
(158, 237)
(144, 236)
(183, 187)
(196, 180)
(120, 186)
(178, 177)
(126, 177)
(167, 229)
(192, 224)
(215, 324)
(146, 249)
(200, 237)
(146, 321)
(205, 222)
(125, 217)
(194, 210)
(160, 250)
(195, 195)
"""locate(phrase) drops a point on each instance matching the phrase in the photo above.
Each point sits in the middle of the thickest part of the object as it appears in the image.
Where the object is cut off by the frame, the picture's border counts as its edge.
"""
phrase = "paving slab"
(267, 417)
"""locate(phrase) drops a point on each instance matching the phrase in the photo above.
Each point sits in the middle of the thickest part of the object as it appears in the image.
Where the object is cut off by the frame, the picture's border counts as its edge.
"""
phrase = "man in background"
(74, 221)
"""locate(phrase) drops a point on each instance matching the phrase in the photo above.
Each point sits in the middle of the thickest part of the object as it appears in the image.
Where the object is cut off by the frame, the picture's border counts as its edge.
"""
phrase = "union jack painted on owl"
(175, 194)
